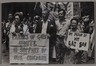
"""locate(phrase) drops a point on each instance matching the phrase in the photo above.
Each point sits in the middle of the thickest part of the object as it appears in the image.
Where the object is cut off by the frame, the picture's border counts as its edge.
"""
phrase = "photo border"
(6, 1)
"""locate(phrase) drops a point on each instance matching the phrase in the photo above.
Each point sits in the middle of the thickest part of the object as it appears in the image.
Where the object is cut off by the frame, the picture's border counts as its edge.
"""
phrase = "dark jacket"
(51, 27)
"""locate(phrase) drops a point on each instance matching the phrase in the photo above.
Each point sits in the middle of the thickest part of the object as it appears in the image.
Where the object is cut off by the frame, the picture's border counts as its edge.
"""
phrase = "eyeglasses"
(60, 14)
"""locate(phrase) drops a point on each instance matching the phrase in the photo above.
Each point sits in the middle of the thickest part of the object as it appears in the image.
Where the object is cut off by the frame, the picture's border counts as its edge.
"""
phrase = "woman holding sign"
(71, 56)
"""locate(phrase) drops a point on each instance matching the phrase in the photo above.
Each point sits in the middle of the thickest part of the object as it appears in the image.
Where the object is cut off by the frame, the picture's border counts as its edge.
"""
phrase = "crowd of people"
(54, 23)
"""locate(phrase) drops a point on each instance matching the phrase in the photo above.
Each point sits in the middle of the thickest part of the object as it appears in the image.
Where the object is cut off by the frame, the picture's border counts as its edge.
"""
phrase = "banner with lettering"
(69, 12)
(32, 48)
(78, 41)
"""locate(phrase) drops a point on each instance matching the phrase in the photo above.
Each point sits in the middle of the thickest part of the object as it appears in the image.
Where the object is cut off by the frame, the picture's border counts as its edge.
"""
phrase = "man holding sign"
(46, 26)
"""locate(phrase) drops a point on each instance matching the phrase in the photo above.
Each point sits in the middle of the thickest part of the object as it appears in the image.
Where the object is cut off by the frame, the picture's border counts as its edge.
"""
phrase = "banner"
(32, 48)
(69, 12)
(77, 10)
(78, 41)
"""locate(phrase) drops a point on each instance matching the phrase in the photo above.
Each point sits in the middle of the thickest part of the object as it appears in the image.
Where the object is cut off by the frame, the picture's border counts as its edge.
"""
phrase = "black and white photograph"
(48, 33)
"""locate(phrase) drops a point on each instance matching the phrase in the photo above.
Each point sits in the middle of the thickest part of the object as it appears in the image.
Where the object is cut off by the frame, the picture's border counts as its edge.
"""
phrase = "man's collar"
(48, 20)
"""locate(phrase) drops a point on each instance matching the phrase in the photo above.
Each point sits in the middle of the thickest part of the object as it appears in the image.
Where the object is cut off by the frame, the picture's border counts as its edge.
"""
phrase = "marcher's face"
(85, 18)
(44, 15)
(10, 16)
(61, 15)
(26, 23)
(74, 24)
(17, 19)
(49, 6)
(91, 30)
(21, 13)
(56, 4)
(29, 18)
(35, 22)
(24, 19)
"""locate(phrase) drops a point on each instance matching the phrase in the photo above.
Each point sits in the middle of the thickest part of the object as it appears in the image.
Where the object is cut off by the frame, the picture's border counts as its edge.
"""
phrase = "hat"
(17, 13)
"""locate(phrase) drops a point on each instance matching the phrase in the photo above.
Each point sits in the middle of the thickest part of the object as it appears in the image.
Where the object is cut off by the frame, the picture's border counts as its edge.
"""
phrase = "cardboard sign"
(78, 41)
(32, 48)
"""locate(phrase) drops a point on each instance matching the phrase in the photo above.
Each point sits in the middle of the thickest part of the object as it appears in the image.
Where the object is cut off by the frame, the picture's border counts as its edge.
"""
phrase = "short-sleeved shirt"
(62, 27)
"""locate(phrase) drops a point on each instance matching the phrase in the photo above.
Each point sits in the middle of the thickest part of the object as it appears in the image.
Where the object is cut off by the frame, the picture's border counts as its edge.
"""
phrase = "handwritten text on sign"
(78, 41)
(32, 48)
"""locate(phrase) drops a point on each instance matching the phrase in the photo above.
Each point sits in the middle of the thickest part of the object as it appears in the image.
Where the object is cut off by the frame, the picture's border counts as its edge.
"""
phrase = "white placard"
(78, 41)
(32, 48)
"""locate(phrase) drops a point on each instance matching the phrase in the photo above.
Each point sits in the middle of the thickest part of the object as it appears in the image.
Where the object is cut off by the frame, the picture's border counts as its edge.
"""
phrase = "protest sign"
(78, 41)
(32, 48)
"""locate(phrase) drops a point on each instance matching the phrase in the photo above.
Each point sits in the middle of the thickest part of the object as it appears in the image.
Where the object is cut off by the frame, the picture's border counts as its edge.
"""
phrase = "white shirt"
(44, 27)
(34, 27)
(62, 27)
(25, 29)
(12, 29)
(7, 25)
